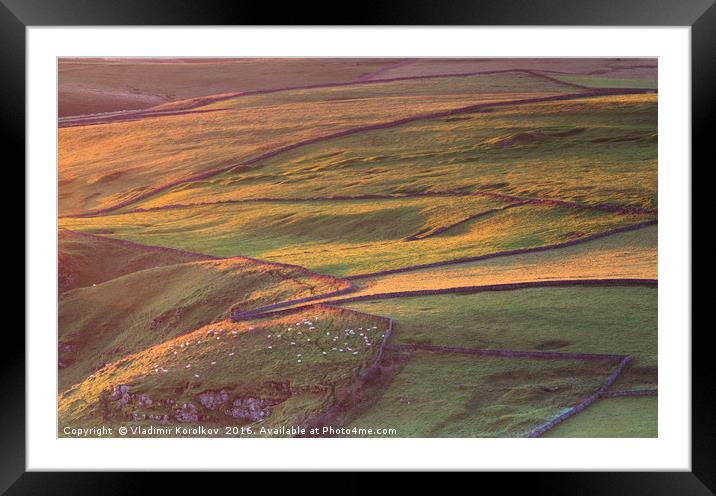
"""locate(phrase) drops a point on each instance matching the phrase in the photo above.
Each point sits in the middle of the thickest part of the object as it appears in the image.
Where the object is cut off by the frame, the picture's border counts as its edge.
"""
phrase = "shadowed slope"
(125, 315)
(91, 85)
(85, 259)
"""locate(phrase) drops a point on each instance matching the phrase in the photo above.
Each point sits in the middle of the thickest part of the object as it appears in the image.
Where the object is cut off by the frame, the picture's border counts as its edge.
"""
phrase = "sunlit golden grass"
(630, 255)
(357, 236)
(102, 165)
(596, 150)
(291, 356)
(101, 323)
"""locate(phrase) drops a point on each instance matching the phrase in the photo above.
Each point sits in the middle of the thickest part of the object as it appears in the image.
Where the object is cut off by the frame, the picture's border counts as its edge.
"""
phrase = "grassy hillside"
(102, 165)
(361, 236)
(279, 372)
(607, 320)
(450, 395)
(592, 151)
(235, 193)
(85, 260)
(100, 324)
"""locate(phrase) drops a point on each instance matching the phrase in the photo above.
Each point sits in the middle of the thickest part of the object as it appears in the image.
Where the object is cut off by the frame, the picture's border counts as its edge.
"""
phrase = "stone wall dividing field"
(519, 251)
(539, 431)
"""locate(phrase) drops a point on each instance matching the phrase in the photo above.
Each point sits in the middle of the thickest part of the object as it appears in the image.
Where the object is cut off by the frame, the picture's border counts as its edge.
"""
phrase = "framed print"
(428, 238)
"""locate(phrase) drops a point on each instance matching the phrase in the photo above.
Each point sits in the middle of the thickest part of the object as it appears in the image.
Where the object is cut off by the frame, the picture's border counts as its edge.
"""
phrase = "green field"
(609, 320)
(453, 395)
(613, 417)
(362, 236)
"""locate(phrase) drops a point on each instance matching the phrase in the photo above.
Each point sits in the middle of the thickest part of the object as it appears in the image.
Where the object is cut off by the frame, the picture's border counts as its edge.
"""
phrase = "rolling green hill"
(279, 372)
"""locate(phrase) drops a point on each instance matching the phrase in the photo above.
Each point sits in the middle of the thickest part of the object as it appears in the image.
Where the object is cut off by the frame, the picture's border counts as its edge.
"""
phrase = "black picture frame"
(17, 15)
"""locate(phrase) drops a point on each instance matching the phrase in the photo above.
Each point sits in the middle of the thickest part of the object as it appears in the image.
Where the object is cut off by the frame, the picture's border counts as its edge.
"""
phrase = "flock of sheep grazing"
(302, 333)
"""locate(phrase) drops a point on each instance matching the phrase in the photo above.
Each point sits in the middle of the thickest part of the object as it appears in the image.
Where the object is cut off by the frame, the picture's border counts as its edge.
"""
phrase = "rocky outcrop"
(121, 403)
(252, 409)
(124, 404)
(186, 413)
(120, 395)
(245, 407)
(213, 400)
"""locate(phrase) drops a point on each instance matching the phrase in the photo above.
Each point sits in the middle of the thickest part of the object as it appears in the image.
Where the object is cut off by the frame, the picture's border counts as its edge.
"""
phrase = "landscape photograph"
(357, 247)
